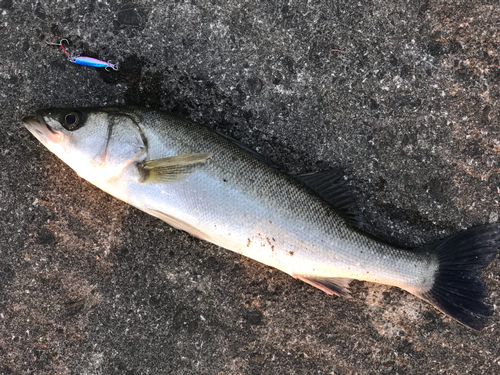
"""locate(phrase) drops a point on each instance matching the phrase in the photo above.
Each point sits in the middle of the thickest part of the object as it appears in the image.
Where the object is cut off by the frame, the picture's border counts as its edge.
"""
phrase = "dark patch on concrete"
(39, 11)
(437, 190)
(253, 316)
(132, 15)
(7, 274)
(72, 308)
(46, 237)
(6, 4)
(42, 357)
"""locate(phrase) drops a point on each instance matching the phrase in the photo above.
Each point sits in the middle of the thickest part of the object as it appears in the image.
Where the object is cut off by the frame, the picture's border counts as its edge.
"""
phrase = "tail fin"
(458, 290)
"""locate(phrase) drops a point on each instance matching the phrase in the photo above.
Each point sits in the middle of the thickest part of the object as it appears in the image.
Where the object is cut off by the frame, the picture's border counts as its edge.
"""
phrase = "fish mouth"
(36, 127)
(44, 133)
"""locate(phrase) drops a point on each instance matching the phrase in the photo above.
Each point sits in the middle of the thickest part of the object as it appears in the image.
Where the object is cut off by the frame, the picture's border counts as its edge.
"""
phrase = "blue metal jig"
(83, 60)
(95, 63)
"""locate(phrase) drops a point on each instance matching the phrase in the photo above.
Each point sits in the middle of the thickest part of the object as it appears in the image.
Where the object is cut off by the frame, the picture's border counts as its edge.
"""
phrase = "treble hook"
(60, 44)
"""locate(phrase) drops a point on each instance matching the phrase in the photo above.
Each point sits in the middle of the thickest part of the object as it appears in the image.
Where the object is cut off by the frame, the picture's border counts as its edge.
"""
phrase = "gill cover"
(98, 145)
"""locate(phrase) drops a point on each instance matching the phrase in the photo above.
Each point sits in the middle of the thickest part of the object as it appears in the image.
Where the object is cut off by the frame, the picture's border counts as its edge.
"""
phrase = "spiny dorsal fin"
(332, 187)
(171, 168)
(330, 285)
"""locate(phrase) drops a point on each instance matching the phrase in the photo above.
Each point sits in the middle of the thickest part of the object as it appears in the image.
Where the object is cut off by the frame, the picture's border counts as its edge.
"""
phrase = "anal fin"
(330, 285)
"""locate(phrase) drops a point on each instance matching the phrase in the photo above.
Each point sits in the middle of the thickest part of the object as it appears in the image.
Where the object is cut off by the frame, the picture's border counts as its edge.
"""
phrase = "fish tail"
(458, 289)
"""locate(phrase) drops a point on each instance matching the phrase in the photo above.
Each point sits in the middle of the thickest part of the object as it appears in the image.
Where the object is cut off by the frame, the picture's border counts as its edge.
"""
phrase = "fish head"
(99, 144)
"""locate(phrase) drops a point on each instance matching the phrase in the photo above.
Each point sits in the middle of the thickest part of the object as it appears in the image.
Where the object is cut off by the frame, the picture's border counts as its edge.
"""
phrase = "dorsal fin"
(332, 187)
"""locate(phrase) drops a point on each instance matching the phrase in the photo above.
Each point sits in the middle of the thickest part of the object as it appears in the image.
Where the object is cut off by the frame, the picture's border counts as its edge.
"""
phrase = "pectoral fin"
(171, 168)
(329, 285)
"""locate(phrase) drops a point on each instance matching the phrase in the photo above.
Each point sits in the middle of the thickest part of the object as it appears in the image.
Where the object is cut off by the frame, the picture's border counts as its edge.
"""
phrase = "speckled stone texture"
(402, 93)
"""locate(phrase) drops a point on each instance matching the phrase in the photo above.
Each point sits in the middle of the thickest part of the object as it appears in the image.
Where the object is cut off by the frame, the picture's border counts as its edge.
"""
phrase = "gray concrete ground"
(403, 93)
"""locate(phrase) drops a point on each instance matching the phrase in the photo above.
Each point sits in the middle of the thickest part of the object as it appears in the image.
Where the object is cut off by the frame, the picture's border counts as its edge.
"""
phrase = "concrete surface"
(89, 285)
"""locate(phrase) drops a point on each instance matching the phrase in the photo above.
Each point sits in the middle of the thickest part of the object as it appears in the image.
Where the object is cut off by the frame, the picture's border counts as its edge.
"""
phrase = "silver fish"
(212, 187)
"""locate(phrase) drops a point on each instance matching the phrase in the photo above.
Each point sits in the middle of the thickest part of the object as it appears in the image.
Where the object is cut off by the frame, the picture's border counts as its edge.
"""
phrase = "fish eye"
(72, 121)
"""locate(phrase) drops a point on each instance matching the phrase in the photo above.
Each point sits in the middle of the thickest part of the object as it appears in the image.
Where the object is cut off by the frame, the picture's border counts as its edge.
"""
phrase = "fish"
(306, 225)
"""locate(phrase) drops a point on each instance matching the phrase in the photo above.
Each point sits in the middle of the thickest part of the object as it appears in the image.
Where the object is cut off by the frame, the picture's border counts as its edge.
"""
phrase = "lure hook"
(111, 66)
(60, 44)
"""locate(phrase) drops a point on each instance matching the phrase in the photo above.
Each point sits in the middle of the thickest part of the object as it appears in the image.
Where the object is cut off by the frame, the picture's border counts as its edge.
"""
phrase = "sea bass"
(214, 188)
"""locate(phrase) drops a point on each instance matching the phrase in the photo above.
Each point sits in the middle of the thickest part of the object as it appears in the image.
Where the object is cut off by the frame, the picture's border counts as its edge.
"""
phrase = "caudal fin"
(458, 290)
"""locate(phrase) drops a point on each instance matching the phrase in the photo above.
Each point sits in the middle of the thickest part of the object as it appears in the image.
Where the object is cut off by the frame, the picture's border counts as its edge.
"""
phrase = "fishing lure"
(95, 63)
(84, 60)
